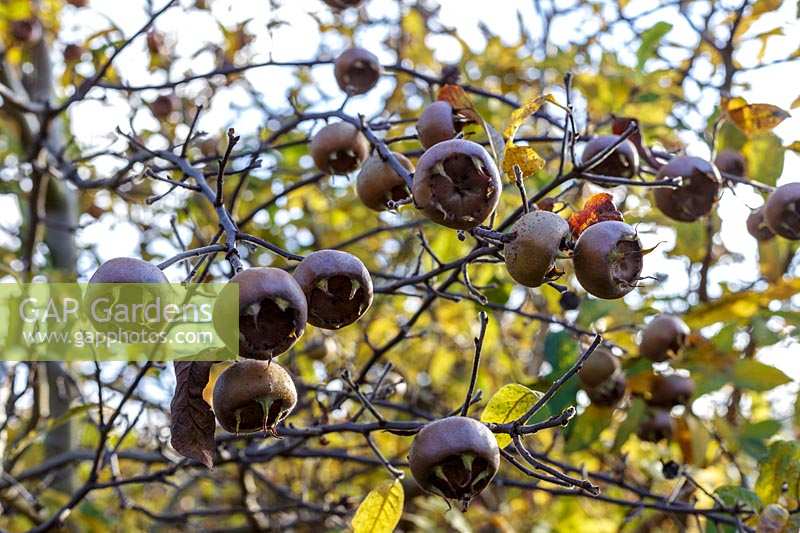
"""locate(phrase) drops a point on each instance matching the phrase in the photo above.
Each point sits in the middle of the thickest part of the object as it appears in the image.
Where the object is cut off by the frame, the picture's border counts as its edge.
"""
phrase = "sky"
(94, 121)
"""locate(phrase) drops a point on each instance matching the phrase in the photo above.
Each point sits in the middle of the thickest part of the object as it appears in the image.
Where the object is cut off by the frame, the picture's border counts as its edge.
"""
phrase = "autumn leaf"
(598, 208)
(460, 102)
(780, 472)
(508, 404)
(525, 157)
(381, 509)
(795, 147)
(753, 118)
(192, 421)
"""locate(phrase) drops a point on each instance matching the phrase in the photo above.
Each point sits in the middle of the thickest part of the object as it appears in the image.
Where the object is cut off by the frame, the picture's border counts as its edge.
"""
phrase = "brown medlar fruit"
(26, 31)
(343, 4)
(455, 457)
(337, 286)
(608, 259)
(378, 183)
(667, 391)
(609, 392)
(731, 162)
(697, 192)
(163, 106)
(622, 162)
(773, 519)
(439, 122)
(598, 367)
(339, 148)
(272, 312)
(357, 70)
(128, 270)
(539, 237)
(456, 184)
(251, 396)
(663, 338)
(656, 426)
(73, 53)
(757, 226)
(782, 211)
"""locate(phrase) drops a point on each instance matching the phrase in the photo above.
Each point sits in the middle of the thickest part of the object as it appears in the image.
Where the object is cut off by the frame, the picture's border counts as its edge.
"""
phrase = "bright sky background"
(94, 121)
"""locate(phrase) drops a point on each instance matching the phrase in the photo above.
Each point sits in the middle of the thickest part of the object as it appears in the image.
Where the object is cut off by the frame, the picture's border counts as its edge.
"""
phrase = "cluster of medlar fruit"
(455, 457)
(602, 377)
(780, 215)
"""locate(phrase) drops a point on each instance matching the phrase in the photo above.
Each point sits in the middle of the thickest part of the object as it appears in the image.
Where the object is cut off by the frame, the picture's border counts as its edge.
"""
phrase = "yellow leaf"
(509, 403)
(795, 147)
(526, 157)
(216, 370)
(795, 103)
(521, 114)
(381, 509)
(753, 118)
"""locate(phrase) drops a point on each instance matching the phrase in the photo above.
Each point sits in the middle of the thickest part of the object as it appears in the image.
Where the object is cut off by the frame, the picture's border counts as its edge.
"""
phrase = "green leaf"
(780, 469)
(754, 375)
(650, 41)
(586, 428)
(765, 155)
(509, 403)
(381, 509)
(733, 494)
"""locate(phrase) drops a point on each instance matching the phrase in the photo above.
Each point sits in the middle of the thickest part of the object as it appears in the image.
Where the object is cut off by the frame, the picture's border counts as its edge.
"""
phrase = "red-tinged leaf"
(598, 208)
(460, 101)
(192, 421)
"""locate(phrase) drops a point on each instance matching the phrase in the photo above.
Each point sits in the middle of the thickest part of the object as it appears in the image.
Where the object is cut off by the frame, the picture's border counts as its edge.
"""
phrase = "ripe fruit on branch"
(73, 53)
(455, 457)
(456, 184)
(670, 390)
(339, 148)
(697, 193)
(377, 182)
(343, 4)
(782, 211)
(531, 256)
(163, 106)
(272, 312)
(357, 70)
(337, 286)
(757, 226)
(731, 162)
(439, 122)
(252, 396)
(599, 367)
(610, 392)
(26, 31)
(608, 259)
(663, 338)
(656, 426)
(622, 162)
(128, 270)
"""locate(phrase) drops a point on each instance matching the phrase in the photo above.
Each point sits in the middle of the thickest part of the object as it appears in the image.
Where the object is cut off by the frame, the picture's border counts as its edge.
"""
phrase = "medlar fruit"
(663, 338)
(757, 226)
(697, 193)
(622, 162)
(163, 106)
(782, 211)
(456, 184)
(357, 71)
(337, 286)
(670, 390)
(531, 255)
(251, 396)
(73, 53)
(439, 122)
(26, 31)
(377, 182)
(600, 366)
(731, 162)
(339, 148)
(773, 519)
(609, 392)
(124, 271)
(455, 457)
(272, 312)
(608, 259)
(78, 3)
(343, 4)
(656, 426)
